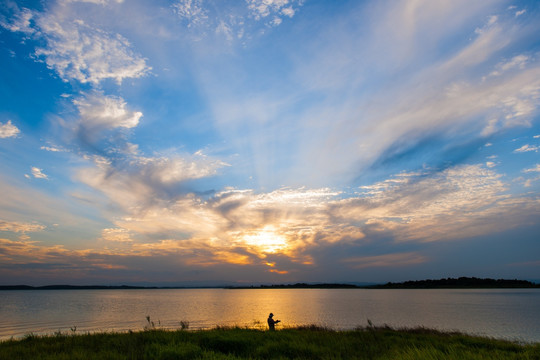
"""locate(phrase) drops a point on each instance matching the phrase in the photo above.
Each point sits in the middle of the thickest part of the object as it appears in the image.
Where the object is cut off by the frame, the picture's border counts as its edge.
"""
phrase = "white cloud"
(53, 148)
(98, 2)
(288, 11)
(275, 9)
(276, 21)
(239, 21)
(488, 41)
(78, 51)
(98, 112)
(527, 148)
(176, 169)
(263, 8)
(192, 11)
(21, 21)
(455, 203)
(8, 130)
(534, 169)
(517, 62)
(136, 183)
(349, 127)
(37, 173)
(520, 12)
(226, 30)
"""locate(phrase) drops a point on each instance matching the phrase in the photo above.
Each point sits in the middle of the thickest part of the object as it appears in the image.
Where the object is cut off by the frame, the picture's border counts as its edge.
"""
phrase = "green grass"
(308, 342)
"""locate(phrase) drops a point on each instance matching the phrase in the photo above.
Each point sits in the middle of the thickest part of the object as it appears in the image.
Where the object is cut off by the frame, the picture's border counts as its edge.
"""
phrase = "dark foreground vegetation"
(308, 342)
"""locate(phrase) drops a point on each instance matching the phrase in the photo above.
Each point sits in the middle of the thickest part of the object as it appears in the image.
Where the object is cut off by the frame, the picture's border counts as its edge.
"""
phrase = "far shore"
(448, 283)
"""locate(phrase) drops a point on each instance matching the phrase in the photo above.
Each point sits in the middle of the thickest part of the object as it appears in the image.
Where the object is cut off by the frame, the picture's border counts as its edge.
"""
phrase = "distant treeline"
(71, 287)
(449, 283)
(299, 286)
(459, 283)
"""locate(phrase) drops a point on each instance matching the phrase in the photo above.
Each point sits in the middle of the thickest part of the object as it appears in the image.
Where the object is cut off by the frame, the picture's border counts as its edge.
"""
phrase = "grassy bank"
(238, 343)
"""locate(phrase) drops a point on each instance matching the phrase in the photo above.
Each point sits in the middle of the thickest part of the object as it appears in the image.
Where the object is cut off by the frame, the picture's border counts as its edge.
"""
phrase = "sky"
(207, 142)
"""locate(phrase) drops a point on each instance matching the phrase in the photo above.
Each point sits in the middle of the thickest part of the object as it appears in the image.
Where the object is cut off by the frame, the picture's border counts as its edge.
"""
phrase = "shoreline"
(447, 283)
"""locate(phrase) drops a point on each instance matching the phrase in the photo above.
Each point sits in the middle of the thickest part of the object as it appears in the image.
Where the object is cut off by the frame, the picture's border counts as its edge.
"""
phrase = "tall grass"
(306, 342)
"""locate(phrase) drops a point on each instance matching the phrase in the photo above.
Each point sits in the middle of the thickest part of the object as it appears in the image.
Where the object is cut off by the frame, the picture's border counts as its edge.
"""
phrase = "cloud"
(8, 130)
(348, 130)
(26, 203)
(38, 173)
(370, 94)
(234, 21)
(459, 202)
(520, 12)
(78, 51)
(20, 21)
(456, 203)
(116, 235)
(53, 148)
(132, 181)
(99, 112)
(527, 148)
(264, 8)
(533, 169)
(136, 182)
(287, 227)
(20, 227)
(289, 11)
(517, 62)
(192, 11)
(54, 258)
(387, 260)
(99, 2)
(100, 125)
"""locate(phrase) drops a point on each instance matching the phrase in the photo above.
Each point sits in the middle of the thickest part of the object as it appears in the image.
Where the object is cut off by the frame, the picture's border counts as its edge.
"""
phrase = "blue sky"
(202, 142)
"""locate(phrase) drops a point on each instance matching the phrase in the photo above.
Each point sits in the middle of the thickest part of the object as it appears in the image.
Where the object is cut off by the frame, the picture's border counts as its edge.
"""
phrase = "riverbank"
(309, 342)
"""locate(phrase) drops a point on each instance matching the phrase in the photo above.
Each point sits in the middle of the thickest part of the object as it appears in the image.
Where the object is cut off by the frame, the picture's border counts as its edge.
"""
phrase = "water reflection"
(499, 313)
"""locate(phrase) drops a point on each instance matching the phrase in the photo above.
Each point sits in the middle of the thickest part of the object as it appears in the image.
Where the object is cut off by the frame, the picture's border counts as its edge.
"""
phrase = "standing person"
(271, 322)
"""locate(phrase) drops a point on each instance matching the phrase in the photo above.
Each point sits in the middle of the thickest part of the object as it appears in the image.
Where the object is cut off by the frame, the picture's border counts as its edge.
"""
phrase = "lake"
(512, 314)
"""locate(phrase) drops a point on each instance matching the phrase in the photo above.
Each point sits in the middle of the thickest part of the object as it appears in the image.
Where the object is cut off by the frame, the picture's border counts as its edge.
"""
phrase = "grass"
(306, 342)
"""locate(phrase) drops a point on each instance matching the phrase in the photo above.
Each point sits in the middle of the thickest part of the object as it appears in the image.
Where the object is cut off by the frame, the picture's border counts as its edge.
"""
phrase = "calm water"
(508, 314)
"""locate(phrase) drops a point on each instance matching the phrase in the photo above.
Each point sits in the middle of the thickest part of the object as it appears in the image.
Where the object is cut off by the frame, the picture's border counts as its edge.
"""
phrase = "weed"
(305, 342)
(150, 325)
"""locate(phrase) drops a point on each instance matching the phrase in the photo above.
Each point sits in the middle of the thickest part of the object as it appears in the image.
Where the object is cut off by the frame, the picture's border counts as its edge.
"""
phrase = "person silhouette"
(271, 322)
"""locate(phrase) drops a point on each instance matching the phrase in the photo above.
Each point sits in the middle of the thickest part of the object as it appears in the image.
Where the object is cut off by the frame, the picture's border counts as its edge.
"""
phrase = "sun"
(266, 240)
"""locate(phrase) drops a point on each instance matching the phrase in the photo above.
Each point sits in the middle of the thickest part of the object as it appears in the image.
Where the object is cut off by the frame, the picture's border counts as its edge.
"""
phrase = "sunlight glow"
(266, 240)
